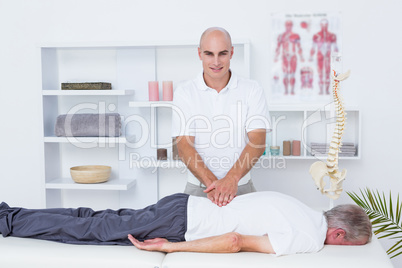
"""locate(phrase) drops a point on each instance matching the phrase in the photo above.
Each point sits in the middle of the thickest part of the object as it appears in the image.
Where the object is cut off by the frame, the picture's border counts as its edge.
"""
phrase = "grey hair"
(352, 219)
(212, 29)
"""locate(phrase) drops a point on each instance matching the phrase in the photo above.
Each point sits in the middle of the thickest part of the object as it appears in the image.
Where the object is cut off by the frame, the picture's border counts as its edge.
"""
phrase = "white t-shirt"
(292, 227)
(219, 121)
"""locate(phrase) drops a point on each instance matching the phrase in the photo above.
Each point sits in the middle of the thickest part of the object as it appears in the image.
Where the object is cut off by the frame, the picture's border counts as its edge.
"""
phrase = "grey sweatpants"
(167, 218)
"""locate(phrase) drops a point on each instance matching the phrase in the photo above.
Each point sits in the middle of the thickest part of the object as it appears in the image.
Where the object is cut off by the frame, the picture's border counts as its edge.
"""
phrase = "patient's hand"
(156, 244)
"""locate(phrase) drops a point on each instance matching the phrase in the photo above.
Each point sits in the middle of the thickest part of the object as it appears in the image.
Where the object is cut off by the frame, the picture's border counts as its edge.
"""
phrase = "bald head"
(215, 52)
(216, 32)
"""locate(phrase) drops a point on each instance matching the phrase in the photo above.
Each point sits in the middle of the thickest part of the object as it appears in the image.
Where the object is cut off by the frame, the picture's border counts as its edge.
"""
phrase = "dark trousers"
(167, 218)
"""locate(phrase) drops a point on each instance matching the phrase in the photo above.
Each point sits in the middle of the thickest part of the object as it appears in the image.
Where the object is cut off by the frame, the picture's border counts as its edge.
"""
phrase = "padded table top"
(24, 252)
(34, 253)
(370, 255)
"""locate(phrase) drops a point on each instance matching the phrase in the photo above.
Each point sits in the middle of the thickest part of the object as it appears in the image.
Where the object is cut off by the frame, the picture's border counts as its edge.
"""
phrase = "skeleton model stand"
(319, 169)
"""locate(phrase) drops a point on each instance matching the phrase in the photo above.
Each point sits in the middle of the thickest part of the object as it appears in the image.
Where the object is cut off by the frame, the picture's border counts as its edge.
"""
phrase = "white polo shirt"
(219, 121)
(292, 227)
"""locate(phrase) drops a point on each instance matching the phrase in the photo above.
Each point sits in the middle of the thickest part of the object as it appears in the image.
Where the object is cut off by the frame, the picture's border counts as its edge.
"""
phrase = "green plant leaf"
(384, 216)
(395, 248)
(390, 208)
(398, 211)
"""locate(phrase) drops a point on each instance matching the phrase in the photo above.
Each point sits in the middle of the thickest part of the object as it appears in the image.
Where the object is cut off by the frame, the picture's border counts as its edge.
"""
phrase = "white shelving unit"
(61, 153)
(312, 123)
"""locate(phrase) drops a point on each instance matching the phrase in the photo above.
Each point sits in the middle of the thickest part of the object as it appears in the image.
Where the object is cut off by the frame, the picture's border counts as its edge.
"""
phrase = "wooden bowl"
(90, 174)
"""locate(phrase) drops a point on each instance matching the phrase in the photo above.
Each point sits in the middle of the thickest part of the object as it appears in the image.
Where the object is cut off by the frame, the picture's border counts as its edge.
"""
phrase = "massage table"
(25, 252)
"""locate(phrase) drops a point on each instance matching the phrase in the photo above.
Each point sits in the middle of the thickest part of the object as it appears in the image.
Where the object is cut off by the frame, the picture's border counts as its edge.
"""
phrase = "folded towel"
(88, 125)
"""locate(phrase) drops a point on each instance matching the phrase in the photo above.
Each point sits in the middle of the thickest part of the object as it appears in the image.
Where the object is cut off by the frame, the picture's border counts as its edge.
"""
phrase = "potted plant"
(385, 216)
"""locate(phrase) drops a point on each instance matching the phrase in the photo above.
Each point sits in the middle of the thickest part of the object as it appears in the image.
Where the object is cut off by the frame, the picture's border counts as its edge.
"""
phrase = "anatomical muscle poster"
(301, 49)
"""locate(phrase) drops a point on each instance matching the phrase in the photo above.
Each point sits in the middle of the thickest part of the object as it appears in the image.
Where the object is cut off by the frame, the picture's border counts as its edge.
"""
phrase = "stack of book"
(348, 149)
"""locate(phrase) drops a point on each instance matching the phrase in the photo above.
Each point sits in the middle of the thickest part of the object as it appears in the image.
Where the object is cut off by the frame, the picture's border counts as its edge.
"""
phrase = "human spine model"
(320, 169)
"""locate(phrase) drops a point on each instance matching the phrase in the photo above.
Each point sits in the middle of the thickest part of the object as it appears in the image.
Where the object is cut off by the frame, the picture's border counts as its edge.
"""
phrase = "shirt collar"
(200, 82)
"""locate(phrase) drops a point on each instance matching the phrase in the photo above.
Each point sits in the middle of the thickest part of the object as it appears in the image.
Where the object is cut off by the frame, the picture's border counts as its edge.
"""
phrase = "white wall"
(371, 49)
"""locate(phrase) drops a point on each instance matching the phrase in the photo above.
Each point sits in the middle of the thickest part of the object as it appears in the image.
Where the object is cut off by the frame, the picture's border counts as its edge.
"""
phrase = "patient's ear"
(340, 234)
(335, 236)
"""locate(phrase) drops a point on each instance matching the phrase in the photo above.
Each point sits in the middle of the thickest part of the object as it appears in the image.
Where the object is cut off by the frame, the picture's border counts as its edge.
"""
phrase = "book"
(86, 86)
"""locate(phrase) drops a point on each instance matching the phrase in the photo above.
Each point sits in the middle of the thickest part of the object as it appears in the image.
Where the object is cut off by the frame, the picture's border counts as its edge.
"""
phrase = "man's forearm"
(193, 160)
(246, 161)
(249, 156)
(226, 243)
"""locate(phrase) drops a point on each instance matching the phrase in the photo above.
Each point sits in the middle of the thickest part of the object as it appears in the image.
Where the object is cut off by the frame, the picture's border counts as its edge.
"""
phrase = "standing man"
(220, 124)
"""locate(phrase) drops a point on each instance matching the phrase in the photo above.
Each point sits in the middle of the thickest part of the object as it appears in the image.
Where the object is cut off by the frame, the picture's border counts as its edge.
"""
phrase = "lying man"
(267, 222)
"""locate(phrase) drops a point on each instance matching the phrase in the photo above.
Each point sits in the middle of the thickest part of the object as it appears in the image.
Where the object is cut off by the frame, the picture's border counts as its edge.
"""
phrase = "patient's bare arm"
(226, 243)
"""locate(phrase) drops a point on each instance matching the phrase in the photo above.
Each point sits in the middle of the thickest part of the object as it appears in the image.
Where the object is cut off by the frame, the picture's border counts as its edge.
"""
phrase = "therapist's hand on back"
(222, 191)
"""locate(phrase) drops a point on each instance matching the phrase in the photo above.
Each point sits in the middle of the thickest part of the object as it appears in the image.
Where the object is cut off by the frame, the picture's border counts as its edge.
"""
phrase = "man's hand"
(222, 191)
(156, 244)
(211, 195)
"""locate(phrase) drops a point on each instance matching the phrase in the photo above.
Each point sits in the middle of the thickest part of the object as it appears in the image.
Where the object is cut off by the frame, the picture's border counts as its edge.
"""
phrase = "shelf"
(112, 184)
(268, 157)
(112, 92)
(340, 157)
(305, 107)
(109, 140)
(145, 104)
(264, 157)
